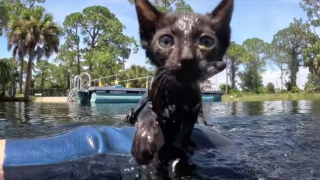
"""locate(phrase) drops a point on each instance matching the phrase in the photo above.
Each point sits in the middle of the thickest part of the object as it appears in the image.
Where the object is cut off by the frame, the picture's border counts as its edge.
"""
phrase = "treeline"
(293, 47)
(33, 37)
(290, 48)
(95, 43)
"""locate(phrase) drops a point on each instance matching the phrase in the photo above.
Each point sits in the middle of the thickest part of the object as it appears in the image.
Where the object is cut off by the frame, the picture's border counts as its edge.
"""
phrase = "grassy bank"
(18, 98)
(271, 97)
(229, 97)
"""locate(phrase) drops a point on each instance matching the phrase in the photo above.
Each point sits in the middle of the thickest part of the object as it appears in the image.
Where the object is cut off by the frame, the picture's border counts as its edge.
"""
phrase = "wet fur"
(175, 98)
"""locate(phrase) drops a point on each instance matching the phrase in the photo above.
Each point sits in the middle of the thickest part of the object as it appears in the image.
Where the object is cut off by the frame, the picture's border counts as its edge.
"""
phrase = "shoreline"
(225, 98)
(270, 97)
(36, 99)
(51, 99)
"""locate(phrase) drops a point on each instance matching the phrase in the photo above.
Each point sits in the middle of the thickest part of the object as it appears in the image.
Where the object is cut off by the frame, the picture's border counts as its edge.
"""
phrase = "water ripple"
(272, 140)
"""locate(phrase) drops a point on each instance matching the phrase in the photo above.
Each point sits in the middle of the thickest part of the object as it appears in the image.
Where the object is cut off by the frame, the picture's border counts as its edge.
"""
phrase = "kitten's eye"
(206, 41)
(166, 41)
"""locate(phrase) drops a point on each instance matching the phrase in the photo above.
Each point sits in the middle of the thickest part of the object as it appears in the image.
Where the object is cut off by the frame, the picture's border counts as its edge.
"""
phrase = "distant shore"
(225, 98)
(51, 99)
(270, 97)
(37, 99)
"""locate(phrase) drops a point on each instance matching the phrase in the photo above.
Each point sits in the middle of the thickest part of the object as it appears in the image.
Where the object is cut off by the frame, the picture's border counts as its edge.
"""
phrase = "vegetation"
(8, 75)
(95, 43)
(270, 97)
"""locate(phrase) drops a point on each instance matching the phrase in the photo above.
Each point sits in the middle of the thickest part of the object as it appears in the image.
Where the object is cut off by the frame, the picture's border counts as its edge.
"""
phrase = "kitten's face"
(188, 43)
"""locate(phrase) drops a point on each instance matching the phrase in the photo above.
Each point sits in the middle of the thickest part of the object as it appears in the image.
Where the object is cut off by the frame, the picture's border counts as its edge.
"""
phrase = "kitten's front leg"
(183, 138)
(148, 138)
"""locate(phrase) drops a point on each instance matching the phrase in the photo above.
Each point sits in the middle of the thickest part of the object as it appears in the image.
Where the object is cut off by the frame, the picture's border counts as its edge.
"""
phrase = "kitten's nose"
(186, 54)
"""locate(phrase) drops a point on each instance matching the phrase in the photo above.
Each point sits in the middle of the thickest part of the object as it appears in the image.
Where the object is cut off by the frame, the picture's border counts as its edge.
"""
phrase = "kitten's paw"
(148, 138)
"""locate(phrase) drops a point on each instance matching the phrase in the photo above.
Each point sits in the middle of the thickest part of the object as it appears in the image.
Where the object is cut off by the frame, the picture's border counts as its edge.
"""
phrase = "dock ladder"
(77, 85)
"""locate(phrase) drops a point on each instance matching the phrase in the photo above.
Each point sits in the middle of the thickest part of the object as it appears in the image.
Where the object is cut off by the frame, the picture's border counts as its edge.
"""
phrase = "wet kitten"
(186, 49)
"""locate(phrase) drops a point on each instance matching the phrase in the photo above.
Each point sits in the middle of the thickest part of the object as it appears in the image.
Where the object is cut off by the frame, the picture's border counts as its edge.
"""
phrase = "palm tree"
(37, 34)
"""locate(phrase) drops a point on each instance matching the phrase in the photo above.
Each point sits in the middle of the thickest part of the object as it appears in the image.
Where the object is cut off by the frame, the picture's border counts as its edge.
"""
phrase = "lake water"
(273, 140)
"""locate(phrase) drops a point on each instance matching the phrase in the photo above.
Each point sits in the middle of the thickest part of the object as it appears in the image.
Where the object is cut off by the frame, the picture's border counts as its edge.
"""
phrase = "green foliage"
(223, 87)
(170, 5)
(311, 57)
(251, 80)
(311, 7)
(270, 88)
(133, 72)
(292, 41)
(235, 56)
(236, 93)
(14, 7)
(8, 75)
(295, 89)
(95, 42)
(106, 47)
(313, 83)
(254, 63)
(34, 31)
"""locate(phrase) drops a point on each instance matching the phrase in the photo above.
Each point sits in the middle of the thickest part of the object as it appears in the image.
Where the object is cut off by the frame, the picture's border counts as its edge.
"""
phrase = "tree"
(123, 44)
(170, 5)
(40, 35)
(19, 49)
(8, 74)
(270, 87)
(97, 21)
(223, 87)
(133, 72)
(10, 7)
(14, 8)
(67, 59)
(235, 55)
(292, 41)
(254, 63)
(106, 47)
(311, 58)
(278, 58)
(42, 73)
(311, 7)
(72, 25)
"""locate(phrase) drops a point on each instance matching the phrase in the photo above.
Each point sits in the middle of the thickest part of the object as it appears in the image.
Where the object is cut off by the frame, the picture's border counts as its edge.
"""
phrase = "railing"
(77, 85)
(119, 81)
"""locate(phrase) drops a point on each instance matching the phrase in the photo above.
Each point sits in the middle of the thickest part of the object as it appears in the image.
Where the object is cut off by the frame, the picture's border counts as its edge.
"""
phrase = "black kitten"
(186, 49)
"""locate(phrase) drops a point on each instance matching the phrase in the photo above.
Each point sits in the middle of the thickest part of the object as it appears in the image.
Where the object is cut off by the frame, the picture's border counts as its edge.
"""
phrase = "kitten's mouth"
(188, 72)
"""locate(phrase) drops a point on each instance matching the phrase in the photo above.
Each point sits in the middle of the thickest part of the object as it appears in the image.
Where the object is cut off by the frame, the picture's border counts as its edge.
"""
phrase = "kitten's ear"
(148, 16)
(222, 14)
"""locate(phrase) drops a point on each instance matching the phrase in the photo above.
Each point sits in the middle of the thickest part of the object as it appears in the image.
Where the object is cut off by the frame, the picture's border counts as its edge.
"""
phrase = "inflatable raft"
(89, 141)
(87, 152)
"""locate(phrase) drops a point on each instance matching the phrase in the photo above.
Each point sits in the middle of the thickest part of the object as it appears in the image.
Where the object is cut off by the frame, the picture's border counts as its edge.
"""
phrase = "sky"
(251, 19)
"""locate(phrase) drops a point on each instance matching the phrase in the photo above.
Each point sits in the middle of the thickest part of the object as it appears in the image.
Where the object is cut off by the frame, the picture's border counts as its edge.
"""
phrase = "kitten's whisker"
(161, 77)
(158, 75)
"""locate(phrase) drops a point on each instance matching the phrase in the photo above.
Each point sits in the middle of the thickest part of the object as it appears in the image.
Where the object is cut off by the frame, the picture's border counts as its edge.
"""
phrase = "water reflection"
(274, 139)
(45, 116)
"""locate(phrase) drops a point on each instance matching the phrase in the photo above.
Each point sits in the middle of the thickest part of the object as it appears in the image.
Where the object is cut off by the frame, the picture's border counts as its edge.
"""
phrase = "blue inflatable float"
(89, 141)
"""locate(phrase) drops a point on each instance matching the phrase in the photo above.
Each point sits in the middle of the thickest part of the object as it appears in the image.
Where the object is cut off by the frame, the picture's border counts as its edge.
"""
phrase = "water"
(272, 140)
